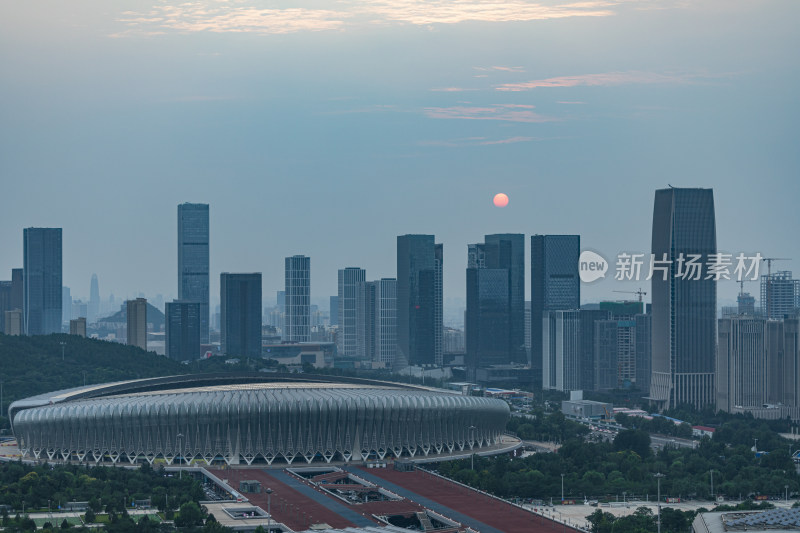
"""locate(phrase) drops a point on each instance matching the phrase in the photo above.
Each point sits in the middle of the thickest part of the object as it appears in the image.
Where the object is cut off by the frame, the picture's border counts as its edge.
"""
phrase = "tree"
(190, 515)
(89, 517)
(636, 440)
(65, 524)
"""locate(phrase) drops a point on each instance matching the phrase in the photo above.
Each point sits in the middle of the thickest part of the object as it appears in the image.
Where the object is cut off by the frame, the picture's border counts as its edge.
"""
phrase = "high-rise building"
(385, 321)
(488, 318)
(568, 343)
(182, 330)
(66, 304)
(365, 320)
(684, 309)
(193, 260)
(495, 313)
(758, 363)
(94, 300)
(621, 356)
(528, 329)
(419, 300)
(5, 302)
(644, 352)
(240, 295)
(137, 323)
(745, 304)
(17, 289)
(438, 305)
(334, 310)
(297, 319)
(42, 281)
(555, 286)
(347, 336)
(780, 295)
(77, 326)
(507, 250)
(13, 322)
(280, 298)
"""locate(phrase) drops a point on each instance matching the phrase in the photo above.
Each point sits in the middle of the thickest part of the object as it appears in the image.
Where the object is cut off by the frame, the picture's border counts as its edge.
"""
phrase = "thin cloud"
(501, 112)
(478, 141)
(451, 89)
(247, 16)
(422, 12)
(603, 79)
(500, 68)
(221, 17)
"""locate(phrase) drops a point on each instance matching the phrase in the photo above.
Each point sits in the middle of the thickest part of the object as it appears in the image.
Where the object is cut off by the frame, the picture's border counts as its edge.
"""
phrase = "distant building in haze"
(94, 300)
(5, 302)
(137, 323)
(240, 295)
(17, 289)
(684, 309)
(182, 321)
(347, 335)
(297, 319)
(780, 295)
(334, 310)
(66, 304)
(555, 286)
(77, 326)
(42, 281)
(193, 260)
(419, 300)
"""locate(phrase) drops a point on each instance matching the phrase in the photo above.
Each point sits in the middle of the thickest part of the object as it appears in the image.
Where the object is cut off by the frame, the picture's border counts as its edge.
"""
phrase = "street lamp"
(562, 488)
(63, 344)
(471, 444)
(658, 476)
(269, 509)
(786, 493)
(180, 441)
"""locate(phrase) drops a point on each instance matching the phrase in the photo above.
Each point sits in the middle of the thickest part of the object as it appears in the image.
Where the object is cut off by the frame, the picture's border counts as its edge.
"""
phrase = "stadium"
(261, 419)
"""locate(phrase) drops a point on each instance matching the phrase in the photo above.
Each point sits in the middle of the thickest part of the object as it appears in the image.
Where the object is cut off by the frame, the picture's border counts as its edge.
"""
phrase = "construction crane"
(640, 292)
(769, 261)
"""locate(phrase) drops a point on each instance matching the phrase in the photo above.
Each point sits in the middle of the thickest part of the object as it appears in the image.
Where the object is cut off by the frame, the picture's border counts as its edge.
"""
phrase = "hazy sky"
(327, 128)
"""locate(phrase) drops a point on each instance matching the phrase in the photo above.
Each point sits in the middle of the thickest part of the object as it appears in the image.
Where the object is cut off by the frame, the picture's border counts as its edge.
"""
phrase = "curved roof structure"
(253, 418)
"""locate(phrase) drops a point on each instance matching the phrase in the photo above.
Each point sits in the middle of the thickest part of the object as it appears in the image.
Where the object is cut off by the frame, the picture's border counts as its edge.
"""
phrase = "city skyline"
(360, 125)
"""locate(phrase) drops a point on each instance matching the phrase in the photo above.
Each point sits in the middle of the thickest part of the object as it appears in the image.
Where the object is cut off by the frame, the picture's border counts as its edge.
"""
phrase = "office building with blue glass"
(42, 281)
(193, 259)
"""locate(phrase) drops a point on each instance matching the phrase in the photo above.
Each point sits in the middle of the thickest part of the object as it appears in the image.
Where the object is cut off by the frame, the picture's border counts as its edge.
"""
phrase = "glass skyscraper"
(684, 310)
(495, 321)
(555, 285)
(297, 319)
(240, 295)
(419, 300)
(42, 281)
(193, 260)
(347, 336)
(182, 330)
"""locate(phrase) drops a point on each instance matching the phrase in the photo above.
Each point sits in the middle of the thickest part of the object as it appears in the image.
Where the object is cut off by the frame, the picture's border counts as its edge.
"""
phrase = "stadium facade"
(253, 419)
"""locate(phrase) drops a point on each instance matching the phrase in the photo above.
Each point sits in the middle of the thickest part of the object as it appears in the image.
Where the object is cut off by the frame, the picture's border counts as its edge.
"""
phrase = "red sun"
(500, 199)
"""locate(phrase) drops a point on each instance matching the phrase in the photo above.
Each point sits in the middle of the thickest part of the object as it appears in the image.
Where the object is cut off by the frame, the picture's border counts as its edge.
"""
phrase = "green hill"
(33, 365)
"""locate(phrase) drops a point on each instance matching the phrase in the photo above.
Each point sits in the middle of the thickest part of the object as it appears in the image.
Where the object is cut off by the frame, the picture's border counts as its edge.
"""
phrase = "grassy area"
(57, 519)
(154, 517)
